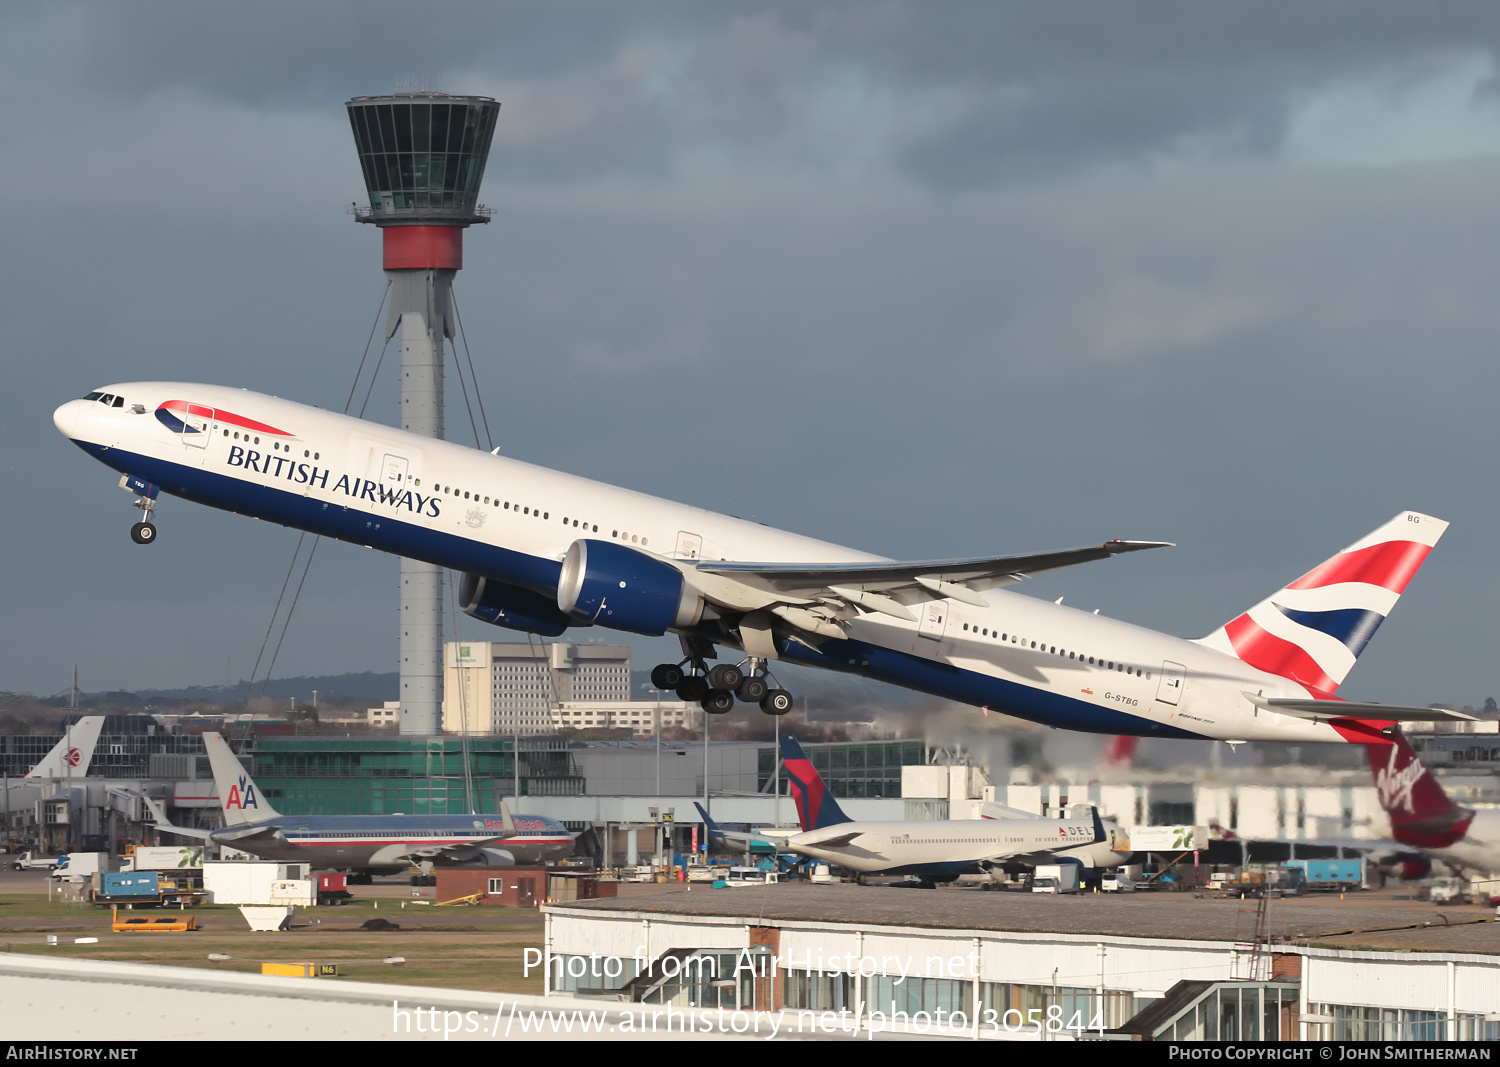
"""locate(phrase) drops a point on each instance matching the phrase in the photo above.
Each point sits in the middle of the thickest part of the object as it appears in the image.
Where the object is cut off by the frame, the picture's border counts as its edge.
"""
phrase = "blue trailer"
(1330, 875)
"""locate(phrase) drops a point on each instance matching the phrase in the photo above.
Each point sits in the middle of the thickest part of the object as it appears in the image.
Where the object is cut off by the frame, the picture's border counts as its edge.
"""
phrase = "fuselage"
(1477, 850)
(948, 846)
(385, 840)
(513, 522)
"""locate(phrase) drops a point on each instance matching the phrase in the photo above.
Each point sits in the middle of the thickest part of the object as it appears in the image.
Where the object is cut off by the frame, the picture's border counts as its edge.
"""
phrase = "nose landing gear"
(143, 532)
(716, 689)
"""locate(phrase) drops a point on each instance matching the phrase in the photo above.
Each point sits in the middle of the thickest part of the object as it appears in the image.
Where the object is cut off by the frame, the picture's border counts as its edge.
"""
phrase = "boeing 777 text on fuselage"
(543, 551)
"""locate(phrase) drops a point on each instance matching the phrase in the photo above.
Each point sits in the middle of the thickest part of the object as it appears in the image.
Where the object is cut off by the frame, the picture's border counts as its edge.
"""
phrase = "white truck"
(1055, 878)
(163, 858)
(82, 866)
(29, 861)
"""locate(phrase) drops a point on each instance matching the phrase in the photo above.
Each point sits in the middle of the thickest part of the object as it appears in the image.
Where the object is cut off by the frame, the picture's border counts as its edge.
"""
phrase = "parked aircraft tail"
(1422, 815)
(1314, 629)
(71, 756)
(238, 794)
(816, 807)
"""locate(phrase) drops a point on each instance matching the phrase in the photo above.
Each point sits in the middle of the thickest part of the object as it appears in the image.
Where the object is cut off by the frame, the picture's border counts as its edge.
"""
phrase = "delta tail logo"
(242, 795)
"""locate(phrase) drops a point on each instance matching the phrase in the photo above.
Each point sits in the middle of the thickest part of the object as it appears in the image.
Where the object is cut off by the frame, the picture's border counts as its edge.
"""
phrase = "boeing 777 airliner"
(542, 551)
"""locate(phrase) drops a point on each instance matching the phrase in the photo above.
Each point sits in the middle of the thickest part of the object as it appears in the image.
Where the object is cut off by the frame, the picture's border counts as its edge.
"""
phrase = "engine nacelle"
(496, 857)
(511, 606)
(624, 589)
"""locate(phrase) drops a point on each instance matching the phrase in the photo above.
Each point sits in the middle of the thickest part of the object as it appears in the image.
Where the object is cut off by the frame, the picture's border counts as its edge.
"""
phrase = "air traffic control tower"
(423, 157)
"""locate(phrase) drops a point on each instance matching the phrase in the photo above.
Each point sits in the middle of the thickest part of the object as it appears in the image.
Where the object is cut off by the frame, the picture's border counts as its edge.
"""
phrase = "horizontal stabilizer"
(182, 831)
(237, 837)
(1322, 710)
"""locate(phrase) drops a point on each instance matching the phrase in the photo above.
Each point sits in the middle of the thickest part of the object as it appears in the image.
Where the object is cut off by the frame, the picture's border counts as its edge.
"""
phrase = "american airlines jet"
(543, 551)
(366, 842)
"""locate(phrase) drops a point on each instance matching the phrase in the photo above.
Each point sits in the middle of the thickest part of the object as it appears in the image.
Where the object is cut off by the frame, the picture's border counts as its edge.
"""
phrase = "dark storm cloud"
(968, 92)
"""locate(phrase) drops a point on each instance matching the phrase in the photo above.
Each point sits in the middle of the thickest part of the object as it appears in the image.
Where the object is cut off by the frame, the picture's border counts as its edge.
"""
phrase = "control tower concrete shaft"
(423, 157)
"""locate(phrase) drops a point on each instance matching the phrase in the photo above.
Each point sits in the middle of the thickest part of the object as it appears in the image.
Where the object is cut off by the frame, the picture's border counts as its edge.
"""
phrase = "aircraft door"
(394, 471)
(198, 426)
(689, 546)
(1173, 678)
(934, 621)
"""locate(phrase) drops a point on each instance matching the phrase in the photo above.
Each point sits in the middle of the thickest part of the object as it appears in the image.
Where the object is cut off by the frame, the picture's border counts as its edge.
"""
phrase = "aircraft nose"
(69, 419)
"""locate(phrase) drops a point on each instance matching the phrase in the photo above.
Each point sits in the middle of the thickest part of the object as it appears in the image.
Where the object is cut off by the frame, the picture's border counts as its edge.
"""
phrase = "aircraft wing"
(817, 596)
(182, 831)
(1322, 710)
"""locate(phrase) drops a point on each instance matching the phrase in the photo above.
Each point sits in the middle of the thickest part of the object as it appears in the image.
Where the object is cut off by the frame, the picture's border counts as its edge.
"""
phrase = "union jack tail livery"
(816, 807)
(1421, 814)
(1313, 630)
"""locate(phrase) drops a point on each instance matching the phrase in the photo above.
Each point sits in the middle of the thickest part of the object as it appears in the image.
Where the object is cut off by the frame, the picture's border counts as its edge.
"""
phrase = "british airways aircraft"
(543, 551)
(366, 842)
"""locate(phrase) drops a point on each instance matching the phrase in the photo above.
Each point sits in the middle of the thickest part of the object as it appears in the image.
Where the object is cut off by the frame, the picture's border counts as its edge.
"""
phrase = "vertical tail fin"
(70, 757)
(1313, 630)
(238, 794)
(1422, 815)
(816, 807)
(709, 826)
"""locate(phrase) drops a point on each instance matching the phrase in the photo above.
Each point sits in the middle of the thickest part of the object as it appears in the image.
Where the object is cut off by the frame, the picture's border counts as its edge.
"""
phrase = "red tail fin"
(1421, 813)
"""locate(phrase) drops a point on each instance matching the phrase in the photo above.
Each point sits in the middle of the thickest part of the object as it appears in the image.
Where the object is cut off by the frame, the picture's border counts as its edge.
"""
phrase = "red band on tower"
(423, 247)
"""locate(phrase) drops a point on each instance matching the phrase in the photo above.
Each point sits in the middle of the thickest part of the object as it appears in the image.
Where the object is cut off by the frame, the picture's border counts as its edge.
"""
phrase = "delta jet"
(376, 843)
(542, 551)
(930, 850)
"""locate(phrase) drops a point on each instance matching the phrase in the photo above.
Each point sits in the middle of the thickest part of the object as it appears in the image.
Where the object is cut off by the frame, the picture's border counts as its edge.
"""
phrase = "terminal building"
(510, 689)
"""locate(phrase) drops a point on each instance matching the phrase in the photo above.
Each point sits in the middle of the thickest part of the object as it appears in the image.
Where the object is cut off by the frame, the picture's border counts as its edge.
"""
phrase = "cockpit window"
(93, 396)
(119, 402)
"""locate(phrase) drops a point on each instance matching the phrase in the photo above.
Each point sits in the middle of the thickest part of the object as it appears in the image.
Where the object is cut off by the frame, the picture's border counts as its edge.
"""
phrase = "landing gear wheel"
(752, 690)
(718, 701)
(143, 533)
(725, 676)
(692, 689)
(666, 676)
(776, 702)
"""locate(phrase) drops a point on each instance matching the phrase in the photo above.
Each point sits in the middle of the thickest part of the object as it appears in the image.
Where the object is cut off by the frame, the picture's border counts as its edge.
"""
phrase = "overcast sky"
(928, 279)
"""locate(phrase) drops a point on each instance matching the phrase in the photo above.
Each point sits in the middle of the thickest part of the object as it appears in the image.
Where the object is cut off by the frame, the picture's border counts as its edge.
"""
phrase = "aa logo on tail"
(242, 795)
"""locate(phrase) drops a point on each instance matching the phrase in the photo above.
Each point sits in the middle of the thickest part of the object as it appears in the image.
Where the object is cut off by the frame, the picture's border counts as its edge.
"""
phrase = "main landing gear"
(718, 688)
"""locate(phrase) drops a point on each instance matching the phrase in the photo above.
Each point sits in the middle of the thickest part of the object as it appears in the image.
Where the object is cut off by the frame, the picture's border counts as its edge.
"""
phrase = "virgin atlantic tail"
(1421, 814)
(816, 807)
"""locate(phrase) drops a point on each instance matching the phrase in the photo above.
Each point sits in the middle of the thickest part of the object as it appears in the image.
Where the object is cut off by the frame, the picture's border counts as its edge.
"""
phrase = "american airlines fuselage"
(514, 523)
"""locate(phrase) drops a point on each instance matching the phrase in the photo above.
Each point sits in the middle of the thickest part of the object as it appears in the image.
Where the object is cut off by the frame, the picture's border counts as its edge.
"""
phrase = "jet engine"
(625, 589)
(511, 606)
(496, 857)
